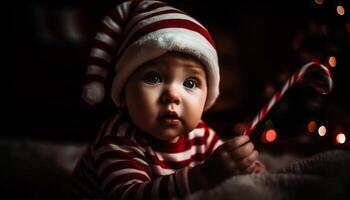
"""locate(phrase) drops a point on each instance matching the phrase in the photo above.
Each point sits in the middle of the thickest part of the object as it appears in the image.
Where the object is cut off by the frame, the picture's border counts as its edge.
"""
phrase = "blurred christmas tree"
(304, 117)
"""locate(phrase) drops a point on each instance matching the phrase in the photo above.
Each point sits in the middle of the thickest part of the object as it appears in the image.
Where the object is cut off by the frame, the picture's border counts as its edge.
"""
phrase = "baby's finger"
(249, 160)
(242, 151)
(235, 142)
(259, 168)
(251, 168)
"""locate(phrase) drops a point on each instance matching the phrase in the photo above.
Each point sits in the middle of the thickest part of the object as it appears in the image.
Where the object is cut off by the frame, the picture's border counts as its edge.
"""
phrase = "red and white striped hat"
(137, 31)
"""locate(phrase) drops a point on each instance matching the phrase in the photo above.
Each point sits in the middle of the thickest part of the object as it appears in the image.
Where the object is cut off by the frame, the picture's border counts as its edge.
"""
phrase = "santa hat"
(135, 32)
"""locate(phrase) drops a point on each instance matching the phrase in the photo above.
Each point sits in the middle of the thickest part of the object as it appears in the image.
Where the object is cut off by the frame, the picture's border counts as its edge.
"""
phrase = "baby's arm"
(235, 156)
(125, 174)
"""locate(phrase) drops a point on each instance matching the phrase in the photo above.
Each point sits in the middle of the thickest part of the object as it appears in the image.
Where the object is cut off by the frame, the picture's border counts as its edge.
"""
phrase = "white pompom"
(93, 93)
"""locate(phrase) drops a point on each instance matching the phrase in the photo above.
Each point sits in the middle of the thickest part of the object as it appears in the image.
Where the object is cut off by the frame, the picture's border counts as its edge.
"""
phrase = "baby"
(166, 75)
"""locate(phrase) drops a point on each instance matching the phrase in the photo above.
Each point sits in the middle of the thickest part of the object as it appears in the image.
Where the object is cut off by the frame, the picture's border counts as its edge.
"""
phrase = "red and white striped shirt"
(126, 163)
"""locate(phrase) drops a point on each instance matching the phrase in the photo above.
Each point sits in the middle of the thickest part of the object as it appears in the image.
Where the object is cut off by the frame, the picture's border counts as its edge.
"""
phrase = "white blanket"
(323, 176)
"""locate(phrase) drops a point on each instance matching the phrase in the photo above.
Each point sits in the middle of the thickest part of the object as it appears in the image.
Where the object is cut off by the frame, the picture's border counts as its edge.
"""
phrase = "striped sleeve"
(213, 141)
(124, 173)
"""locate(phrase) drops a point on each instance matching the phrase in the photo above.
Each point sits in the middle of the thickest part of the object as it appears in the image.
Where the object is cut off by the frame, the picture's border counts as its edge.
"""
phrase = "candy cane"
(296, 77)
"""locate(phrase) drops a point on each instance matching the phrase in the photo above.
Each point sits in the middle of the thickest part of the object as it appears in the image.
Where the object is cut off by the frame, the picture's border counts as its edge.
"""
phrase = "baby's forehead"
(172, 59)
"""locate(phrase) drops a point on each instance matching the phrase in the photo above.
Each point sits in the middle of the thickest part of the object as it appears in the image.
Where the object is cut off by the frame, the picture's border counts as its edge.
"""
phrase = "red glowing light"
(347, 27)
(270, 135)
(311, 126)
(332, 61)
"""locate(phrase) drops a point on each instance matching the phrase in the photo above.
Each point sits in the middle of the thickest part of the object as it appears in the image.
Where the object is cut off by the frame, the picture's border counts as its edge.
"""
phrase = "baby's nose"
(171, 94)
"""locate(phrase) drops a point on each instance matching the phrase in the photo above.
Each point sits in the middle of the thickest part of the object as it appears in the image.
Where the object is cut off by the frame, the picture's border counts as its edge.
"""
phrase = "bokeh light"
(347, 27)
(332, 61)
(322, 130)
(340, 10)
(269, 135)
(311, 126)
(340, 138)
(319, 2)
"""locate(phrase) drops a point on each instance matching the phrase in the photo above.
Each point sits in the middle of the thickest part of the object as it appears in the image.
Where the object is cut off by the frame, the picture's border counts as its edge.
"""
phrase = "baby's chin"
(168, 133)
(173, 140)
(170, 136)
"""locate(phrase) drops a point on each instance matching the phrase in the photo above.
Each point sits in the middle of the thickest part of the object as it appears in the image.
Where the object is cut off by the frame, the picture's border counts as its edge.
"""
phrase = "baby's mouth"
(170, 118)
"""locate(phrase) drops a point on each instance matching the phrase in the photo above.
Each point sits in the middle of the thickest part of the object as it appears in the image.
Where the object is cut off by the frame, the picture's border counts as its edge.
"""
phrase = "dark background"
(260, 44)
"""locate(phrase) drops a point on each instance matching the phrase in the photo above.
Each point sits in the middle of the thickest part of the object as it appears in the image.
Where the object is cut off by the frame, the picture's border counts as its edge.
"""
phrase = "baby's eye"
(152, 78)
(190, 83)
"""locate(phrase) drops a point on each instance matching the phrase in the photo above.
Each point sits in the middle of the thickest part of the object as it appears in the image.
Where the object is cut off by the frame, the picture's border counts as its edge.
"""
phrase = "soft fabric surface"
(31, 169)
(323, 176)
(41, 170)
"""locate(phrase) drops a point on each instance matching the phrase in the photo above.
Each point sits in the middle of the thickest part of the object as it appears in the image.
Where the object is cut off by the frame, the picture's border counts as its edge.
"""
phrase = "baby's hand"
(257, 168)
(235, 156)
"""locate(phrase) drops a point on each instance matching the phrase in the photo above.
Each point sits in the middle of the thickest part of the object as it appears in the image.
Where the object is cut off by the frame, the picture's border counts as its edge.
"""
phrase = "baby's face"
(166, 97)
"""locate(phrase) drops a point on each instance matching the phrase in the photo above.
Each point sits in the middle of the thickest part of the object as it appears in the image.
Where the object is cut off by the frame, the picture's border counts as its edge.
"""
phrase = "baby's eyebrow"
(149, 67)
(195, 70)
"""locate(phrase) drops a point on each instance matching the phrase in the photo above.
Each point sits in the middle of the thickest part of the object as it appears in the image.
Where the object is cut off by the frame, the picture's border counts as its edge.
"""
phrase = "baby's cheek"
(193, 118)
(151, 94)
